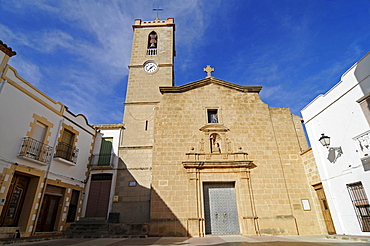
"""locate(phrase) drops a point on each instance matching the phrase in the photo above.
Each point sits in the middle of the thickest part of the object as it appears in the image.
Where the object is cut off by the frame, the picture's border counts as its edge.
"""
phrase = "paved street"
(220, 241)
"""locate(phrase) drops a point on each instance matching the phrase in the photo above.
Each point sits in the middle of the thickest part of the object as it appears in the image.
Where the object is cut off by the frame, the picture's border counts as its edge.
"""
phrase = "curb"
(349, 238)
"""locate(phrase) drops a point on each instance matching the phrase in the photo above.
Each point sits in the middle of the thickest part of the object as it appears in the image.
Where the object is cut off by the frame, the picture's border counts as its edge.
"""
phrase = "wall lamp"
(334, 152)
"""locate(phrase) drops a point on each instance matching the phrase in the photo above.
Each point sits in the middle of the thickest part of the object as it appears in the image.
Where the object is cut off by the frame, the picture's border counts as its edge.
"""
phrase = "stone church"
(208, 157)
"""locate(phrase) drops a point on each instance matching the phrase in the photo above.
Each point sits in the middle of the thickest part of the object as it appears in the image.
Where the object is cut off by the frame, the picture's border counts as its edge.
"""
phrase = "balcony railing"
(36, 150)
(67, 152)
(102, 160)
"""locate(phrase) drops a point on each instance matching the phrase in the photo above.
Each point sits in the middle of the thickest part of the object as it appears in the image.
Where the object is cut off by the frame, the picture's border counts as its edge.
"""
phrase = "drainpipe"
(46, 177)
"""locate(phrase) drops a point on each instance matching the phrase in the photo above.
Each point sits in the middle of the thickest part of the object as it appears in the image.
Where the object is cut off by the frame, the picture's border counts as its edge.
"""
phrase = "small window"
(212, 116)
(132, 183)
(360, 204)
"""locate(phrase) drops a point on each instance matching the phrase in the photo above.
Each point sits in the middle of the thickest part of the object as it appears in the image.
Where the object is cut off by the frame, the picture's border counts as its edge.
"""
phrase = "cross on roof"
(157, 9)
(209, 70)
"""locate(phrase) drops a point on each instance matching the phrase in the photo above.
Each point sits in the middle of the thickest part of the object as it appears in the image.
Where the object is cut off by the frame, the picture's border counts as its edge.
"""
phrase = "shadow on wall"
(135, 201)
(362, 71)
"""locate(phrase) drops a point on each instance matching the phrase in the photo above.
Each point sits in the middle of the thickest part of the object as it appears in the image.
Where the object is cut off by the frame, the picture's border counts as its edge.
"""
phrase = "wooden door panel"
(98, 202)
(14, 201)
(325, 209)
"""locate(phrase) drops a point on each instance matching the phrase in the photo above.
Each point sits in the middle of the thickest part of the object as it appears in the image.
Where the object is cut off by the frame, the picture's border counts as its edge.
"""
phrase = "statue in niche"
(201, 149)
(228, 144)
(215, 140)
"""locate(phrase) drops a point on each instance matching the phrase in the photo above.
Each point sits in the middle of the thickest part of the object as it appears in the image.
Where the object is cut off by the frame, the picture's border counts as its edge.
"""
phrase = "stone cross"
(209, 70)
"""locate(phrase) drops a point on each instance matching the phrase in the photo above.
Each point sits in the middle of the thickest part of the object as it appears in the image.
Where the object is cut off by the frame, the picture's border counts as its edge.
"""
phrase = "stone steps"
(99, 227)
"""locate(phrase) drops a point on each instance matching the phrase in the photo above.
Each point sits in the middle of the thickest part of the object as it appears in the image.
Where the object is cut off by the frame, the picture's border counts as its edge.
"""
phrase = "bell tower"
(152, 57)
(151, 66)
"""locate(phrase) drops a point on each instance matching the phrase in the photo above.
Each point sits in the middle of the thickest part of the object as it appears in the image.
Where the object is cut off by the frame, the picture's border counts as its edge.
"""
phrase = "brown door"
(48, 213)
(14, 200)
(97, 205)
(325, 208)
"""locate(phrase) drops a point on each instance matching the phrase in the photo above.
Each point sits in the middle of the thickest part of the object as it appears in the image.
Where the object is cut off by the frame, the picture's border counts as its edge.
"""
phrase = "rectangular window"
(212, 116)
(72, 211)
(360, 204)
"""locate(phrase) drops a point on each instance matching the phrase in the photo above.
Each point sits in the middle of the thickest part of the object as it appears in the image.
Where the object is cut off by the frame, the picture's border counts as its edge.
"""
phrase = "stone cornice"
(218, 164)
(159, 65)
(155, 23)
(108, 126)
(214, 128)
(207, 81)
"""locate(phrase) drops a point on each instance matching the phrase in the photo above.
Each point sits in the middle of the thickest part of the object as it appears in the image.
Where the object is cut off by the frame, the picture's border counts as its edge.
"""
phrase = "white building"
(103, 168)
(343, 114)
(44, 155)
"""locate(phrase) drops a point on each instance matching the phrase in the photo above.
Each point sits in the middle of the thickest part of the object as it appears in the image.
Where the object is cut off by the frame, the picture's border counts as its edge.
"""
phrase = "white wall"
(19, 101)
(339, 116)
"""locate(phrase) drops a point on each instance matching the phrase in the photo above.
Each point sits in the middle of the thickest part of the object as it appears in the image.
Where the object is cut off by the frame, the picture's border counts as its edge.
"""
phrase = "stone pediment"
(207, 81)
(214, 128)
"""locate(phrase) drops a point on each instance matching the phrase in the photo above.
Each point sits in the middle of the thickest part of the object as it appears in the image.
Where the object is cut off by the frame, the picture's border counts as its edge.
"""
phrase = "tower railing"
(151, 52)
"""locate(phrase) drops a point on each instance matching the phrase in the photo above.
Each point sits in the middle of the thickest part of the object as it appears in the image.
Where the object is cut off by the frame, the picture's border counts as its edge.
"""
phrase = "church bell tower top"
(155, 23)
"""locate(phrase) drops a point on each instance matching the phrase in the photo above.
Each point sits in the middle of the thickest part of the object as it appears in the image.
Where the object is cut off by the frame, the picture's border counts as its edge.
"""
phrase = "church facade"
(208, 157)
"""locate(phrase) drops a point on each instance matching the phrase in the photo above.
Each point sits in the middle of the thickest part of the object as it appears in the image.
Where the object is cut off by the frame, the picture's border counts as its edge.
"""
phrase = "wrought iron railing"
(102, 160)
(36, 150)
(67, 152)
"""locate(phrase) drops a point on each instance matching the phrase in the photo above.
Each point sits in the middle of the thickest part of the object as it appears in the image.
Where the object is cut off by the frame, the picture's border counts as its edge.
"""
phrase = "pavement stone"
(303, 240)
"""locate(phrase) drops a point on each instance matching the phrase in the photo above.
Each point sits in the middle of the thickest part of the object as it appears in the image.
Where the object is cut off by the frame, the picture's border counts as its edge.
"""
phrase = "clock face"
(150, 67)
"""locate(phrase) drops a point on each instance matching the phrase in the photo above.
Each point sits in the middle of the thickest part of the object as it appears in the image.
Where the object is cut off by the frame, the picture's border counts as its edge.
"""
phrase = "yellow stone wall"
(142, 98)
(268, 198)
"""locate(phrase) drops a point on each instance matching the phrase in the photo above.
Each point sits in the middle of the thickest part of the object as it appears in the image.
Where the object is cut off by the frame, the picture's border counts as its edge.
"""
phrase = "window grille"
(360, 204)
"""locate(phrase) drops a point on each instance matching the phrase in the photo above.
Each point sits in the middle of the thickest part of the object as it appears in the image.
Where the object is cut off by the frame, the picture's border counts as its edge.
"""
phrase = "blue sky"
(77, 51)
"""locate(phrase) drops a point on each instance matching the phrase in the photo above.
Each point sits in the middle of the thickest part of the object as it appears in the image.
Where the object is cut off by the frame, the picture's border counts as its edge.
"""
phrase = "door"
(221, 213)
(14, 200)
(48, 213)
(325, 208)
(98, 202)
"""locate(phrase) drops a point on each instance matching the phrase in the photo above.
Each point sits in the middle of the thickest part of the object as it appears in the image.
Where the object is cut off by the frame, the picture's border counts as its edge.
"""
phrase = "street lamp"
(325, 140)
(334, 152)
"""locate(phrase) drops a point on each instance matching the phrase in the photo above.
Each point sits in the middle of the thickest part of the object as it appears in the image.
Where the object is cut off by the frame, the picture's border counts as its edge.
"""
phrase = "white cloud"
(28, 70)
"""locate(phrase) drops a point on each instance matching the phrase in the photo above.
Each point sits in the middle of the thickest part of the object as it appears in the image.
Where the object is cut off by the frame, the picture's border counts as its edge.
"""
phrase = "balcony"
(103, 160)
(66, 152)
(36, 150)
